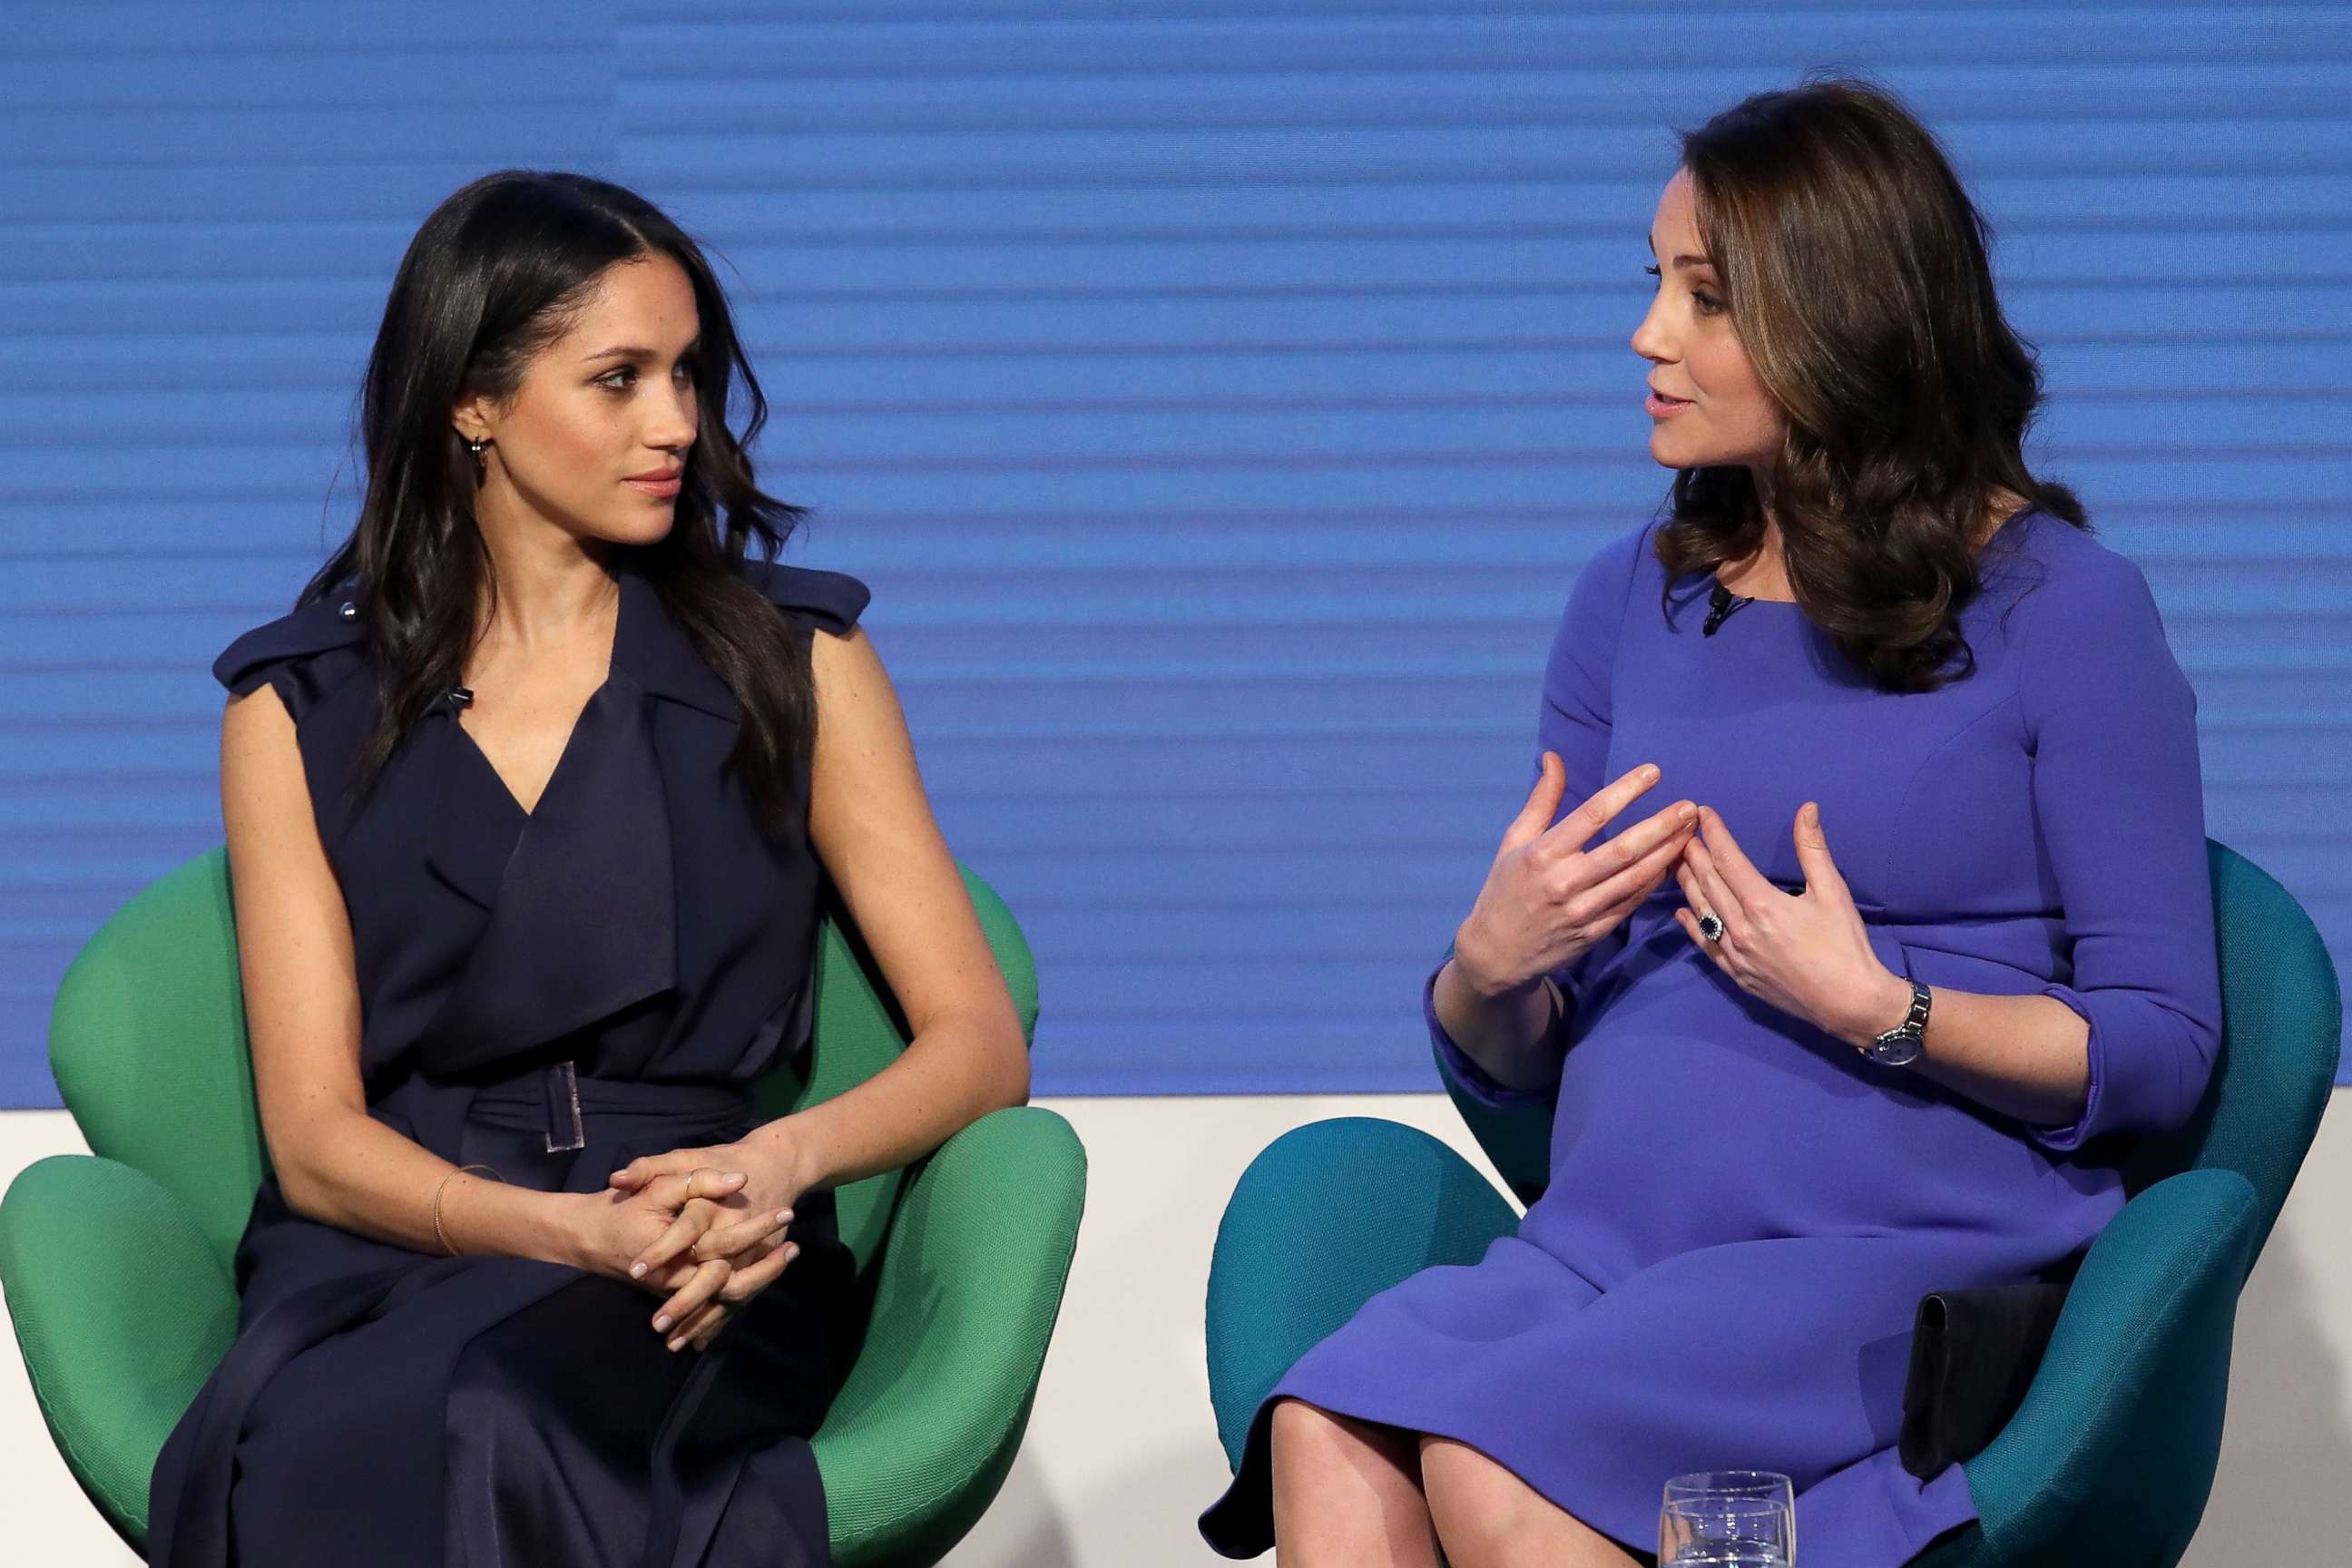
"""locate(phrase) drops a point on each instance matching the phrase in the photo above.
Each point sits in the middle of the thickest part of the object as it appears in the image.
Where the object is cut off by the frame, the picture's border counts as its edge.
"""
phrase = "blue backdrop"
(1219, 396)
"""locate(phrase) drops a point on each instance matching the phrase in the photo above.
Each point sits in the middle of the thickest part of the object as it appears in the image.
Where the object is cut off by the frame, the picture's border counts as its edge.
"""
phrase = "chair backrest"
(2283, 1026)
(2281, 1036)
(859, 1031)
(147, 1041)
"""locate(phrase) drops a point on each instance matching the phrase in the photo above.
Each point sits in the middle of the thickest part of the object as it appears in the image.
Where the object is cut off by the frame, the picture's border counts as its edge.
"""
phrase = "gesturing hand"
(1806, 953)
(1547, 898)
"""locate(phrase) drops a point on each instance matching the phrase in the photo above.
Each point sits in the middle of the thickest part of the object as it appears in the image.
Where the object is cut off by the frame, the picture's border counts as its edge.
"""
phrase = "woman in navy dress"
(1744, 1207)
(528, 802)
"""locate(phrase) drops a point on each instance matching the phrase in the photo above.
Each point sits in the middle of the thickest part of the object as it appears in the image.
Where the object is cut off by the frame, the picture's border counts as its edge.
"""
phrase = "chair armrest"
(1329, 1216)
(2111, 1455)
(1516, 1138)
(121, 1308)
(966, 1293)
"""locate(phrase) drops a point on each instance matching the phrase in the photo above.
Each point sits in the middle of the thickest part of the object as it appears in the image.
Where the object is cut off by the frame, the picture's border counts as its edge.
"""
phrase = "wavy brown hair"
(1856, 271)
(498, 272)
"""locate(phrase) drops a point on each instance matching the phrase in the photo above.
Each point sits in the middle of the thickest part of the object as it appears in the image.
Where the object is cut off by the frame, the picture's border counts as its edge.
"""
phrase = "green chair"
(117, 1265)
(2111, 1455)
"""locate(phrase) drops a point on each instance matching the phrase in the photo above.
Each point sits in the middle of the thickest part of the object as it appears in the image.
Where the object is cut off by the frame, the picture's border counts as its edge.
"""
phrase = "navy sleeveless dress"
(551, 992)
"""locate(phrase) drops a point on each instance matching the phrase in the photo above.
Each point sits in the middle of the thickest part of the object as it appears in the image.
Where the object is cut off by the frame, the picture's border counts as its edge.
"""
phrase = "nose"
(1650, 338)
(673, 420)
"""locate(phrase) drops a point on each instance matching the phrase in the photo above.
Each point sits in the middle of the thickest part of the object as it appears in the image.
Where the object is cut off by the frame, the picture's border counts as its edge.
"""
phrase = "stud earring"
(475, 446)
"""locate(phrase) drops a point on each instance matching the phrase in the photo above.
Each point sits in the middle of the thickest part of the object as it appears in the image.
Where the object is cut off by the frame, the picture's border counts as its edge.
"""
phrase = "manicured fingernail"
(791, 1250)
(636, 1270)
(732, 1176)
(661, 1322)
(1686, 813)
(678, 1343)
(783, 1217)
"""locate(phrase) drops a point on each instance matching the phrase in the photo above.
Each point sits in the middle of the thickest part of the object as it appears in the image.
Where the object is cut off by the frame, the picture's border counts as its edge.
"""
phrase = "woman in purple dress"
(1759, 1162)
(528, 803)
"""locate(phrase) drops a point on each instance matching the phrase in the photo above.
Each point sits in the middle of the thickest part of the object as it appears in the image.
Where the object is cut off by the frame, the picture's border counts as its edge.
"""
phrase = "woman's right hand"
(1547, 898)
(616, 1227)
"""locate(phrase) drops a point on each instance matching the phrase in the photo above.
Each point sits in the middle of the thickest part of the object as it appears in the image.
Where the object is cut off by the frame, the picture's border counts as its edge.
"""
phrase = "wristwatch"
(1901, 1045)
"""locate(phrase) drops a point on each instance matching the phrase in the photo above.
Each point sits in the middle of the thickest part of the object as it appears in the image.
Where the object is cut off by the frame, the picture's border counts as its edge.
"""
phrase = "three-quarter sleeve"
(2118, 797)
(1573, 720)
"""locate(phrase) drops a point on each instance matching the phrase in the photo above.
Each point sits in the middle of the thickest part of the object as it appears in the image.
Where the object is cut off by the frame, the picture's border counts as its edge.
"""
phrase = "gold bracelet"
(438, 1234)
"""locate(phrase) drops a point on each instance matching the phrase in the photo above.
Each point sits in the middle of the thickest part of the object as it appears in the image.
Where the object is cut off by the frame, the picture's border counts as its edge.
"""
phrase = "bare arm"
(2026, 1057)
(334, 1162)
(1515, 1034)
(873, 828)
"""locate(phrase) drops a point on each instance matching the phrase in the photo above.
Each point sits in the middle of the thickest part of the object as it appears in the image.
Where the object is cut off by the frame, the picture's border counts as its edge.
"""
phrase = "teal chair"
(117, 1265)
(2110, 1458)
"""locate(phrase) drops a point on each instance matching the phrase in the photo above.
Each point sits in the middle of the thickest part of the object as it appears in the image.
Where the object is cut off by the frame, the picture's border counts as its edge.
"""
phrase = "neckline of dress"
(571, 736)
(1744, 600)
(612, 659)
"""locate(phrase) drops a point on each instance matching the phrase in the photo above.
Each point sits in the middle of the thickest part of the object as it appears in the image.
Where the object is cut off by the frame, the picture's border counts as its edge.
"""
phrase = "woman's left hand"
(745, 1252)
(1807, 954)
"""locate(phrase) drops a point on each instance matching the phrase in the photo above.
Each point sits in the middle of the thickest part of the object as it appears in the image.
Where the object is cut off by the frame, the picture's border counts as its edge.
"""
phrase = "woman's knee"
(1484, 1514)
(1346, 1490)
(1306, 1436)
(1472, 1499)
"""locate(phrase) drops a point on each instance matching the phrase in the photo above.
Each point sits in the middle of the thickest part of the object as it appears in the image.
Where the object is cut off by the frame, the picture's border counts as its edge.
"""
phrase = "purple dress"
(1743, 1212)
(551, 993)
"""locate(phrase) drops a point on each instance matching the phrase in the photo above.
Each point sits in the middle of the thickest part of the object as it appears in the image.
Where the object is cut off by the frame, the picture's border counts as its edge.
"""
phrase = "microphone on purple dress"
(1721, 604)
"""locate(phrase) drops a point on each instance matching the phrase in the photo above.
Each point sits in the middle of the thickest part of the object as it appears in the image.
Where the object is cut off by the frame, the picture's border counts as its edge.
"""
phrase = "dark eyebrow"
(1685, 259)
(631, 351)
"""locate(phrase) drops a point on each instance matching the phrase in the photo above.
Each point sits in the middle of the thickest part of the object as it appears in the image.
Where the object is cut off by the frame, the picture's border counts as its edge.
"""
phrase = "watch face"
(1896, 1050)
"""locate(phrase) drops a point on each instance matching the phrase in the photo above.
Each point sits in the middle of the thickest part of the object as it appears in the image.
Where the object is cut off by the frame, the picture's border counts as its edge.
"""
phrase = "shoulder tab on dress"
(328, 622)
(833, 599)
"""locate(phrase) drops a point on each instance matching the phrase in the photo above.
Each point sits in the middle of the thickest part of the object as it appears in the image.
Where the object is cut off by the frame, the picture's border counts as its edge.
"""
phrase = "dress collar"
(477, 824)
(650, 646)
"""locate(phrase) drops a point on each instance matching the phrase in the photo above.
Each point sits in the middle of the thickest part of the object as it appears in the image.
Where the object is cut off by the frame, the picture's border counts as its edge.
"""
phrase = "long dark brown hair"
(497, 272)
(1857, 274)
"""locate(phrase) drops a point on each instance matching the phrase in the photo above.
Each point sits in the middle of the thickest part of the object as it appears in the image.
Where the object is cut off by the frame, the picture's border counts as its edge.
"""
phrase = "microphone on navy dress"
(1720, 603)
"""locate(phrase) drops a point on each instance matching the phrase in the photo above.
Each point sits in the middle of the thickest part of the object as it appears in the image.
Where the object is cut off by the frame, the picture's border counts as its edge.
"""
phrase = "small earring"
(475, 446)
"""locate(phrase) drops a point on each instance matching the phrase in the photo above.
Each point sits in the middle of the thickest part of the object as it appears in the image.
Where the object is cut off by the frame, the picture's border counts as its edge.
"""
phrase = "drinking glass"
(1729, 1519)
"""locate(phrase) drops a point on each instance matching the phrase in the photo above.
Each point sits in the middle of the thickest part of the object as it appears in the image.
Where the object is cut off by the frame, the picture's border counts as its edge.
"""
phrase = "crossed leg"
(1357, 1493)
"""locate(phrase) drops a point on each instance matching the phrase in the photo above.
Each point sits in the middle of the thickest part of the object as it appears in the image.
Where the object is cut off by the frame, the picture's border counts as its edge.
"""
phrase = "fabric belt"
(563, 1104)
(561, 1098)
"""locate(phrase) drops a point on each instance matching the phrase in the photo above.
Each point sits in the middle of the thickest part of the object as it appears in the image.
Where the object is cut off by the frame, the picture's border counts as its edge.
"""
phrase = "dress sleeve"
(304, 654)
(2118, 797)
(1476, 1082)
(830, 600)
(1574, 721)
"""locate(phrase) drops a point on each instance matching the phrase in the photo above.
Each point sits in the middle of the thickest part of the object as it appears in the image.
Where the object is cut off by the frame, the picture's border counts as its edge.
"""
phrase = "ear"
(470, 416)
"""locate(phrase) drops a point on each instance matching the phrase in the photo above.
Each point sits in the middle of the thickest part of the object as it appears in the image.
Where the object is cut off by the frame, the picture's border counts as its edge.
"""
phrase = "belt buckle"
(563, 1110)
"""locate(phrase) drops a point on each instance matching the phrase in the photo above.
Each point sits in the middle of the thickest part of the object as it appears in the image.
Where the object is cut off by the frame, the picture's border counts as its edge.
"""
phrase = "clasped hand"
(1548, 898)
(705, 1228)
